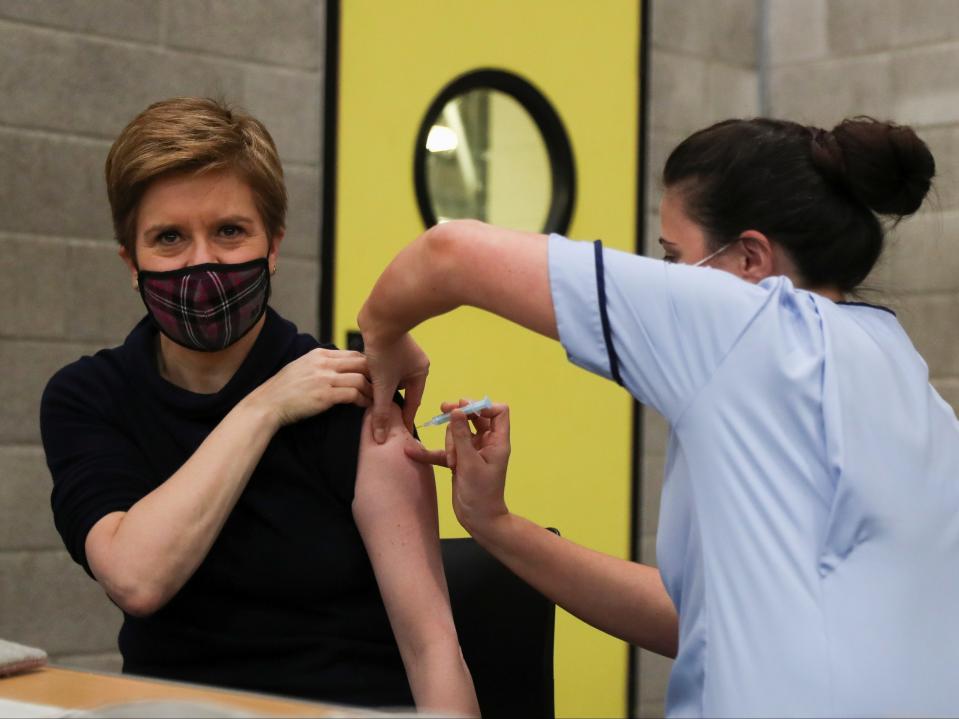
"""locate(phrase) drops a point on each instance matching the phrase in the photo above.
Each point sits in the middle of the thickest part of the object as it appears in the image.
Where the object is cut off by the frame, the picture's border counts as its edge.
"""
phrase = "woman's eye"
(231, 231)
(670, 258)
(168, 237)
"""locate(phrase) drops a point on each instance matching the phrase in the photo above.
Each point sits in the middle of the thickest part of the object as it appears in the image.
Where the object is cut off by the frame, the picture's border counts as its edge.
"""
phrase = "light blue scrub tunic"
(809, 528)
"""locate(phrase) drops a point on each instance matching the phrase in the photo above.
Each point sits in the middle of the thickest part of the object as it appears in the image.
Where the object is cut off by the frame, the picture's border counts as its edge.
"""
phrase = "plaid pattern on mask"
(207, 307)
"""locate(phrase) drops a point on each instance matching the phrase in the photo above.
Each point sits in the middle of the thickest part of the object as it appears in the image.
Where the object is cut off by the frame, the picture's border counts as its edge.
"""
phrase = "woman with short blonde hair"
(211, 473)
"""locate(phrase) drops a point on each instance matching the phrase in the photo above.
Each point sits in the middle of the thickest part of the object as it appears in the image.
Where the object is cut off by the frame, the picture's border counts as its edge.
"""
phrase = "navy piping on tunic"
(607, 333)
(866, 304)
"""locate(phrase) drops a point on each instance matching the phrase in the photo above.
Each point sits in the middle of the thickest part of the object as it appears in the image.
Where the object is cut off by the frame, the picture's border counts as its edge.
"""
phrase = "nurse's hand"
(478, 462)
(396, 364)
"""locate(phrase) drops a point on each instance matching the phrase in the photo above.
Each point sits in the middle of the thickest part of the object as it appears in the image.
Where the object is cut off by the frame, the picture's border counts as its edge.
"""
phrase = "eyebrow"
(235, 219)
(664, 241)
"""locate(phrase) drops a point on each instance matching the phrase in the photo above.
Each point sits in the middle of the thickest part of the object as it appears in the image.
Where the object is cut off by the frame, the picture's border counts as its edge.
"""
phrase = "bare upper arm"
(503, 271)
(395, 510)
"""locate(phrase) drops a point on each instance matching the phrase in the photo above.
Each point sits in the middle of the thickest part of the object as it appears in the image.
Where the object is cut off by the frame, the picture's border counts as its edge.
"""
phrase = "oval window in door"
(491, 147)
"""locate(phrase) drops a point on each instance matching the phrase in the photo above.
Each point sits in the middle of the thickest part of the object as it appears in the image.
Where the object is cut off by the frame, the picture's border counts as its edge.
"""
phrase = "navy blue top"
(286, 600)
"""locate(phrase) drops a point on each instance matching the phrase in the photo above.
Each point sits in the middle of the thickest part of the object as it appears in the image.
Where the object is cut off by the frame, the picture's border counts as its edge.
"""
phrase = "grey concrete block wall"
(110, 18)
(893, 59)
(72, 74)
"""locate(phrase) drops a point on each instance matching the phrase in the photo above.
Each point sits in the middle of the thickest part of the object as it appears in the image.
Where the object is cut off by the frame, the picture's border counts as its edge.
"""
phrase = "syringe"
(471, 408)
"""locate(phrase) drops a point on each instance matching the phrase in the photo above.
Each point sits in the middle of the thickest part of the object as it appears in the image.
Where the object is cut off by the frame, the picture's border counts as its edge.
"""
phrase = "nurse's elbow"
(447, 245)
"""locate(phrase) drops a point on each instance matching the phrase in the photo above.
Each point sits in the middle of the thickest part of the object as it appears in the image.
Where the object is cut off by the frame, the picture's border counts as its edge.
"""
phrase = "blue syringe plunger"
(471, 408)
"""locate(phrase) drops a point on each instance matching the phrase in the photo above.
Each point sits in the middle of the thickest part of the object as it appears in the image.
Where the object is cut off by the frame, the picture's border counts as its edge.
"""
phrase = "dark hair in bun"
(815, 192)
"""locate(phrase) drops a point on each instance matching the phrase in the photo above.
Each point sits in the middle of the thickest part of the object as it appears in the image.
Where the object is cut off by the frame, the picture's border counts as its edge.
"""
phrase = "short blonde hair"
(192, 134)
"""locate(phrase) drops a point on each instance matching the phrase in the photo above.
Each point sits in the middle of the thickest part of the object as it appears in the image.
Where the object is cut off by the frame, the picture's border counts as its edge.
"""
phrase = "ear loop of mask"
(707, 258)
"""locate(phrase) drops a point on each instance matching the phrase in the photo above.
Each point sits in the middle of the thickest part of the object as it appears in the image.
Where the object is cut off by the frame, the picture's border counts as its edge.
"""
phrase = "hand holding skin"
(397, 364)
(478, 462)
(314, 383)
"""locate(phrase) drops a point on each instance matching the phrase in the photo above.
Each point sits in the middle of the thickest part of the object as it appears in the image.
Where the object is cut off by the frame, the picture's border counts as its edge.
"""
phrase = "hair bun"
(885, 165)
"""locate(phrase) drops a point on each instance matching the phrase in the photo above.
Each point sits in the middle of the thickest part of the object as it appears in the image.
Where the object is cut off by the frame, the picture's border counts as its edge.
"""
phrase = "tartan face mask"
(207, 307)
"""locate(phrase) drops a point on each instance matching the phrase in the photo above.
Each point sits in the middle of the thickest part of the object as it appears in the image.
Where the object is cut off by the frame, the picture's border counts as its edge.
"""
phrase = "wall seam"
(762, 58)
(157, 47)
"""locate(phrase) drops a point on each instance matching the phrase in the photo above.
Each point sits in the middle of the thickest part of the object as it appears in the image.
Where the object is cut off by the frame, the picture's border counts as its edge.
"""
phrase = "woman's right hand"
(478, 462)
(314, 383)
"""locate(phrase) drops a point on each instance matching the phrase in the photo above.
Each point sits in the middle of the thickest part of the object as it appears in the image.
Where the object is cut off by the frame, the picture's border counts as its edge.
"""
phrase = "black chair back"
(505, 629)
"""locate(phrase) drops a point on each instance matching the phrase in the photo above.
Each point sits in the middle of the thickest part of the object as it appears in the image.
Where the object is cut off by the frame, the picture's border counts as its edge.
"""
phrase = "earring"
(136, 285)
(273, 271)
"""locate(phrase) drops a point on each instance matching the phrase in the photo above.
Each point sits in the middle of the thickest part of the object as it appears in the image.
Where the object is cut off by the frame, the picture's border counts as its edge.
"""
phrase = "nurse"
(808, 544)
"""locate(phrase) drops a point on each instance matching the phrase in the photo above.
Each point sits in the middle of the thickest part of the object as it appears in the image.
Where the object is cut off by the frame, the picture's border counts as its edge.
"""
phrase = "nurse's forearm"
(462, 263)
(622, 598)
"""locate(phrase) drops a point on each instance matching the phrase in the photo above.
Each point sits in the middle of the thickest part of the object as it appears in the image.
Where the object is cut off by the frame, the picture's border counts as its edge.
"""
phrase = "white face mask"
(707, 258)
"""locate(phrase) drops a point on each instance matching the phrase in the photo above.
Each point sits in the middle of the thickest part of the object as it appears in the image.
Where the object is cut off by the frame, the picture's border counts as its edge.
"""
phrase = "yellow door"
(572, 432)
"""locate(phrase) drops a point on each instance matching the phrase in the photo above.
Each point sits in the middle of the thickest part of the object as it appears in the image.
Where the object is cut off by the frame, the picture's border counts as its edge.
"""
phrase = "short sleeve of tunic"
(96, 469)
(661, 330)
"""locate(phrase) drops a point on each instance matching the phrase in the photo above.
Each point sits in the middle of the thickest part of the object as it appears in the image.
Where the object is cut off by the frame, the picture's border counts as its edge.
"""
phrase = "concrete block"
(732, 28)
(678, 90)
(28, 366)
(296, 293)
(652, 710)
(32, 274)
(111, 662)
(653, 231)
(880, 285)
(647, 549)
(823, 93)
(943, 142)
(65, 289)
(924, 86)
(179, 74)
(654, 672)
(681, 26)
(661, 142)
(655, 432)
(303, 215)
(654, 194)
(654, 466)
(948, 389)
(71, 83)
(723, 30)
(289, 104)
(53, 186)
(925, 21)
(730, 92)
(117, 18)
(930, 322)
(285, 33)
(98, 298)
(797, 31)
(47, 601)
(923, 254)
(26, 521)
(857, 26)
